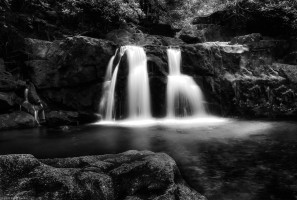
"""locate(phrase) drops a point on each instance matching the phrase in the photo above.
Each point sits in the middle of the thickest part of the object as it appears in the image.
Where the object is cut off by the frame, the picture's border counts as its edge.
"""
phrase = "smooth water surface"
(224, 160)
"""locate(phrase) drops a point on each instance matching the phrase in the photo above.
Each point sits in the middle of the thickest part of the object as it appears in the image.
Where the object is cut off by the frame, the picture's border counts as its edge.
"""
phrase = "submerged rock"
(129, 175)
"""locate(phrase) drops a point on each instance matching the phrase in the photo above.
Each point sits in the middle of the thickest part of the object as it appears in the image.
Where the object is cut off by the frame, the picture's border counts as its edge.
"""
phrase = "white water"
(106, 88)
(184, 97)
(26, 95)
(106, 107)
(35, 114)
(139, 104)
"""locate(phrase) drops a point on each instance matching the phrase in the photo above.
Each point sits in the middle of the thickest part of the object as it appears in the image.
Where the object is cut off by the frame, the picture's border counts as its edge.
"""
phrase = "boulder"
(17, 120)
(81, 98)
(10, 83)
(7, 100)
(129, 175)
(68, 63)
(59, 118)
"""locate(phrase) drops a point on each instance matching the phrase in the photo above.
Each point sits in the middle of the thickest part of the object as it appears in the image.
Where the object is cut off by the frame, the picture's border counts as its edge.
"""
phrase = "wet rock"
(17, 120)
(130, 36)
(2, 66)
(68, 73)
(10, 83)
(68, 63)
(237, 80)
(201, 33)
(291, 58)
(7, 101)
(59, 118)
(130, 175)
(247, 39)
(81, 98)
(288, 71)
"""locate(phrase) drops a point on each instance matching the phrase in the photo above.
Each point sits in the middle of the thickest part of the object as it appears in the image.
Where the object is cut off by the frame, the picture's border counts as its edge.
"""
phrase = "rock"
(288, 71)
(129, 175)
(33, 97)
(247, 39)
(245, 17)
(237, 80)
(68, 63)
(291, 58)
(7, 101)
(81, 98)
(2, 66)
(17, 120)
(130, 36)
(9, 83)
(201, 33)
(59, 118)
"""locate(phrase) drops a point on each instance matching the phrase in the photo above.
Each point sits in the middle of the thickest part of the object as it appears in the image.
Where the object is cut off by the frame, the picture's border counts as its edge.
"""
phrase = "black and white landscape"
(148, 99)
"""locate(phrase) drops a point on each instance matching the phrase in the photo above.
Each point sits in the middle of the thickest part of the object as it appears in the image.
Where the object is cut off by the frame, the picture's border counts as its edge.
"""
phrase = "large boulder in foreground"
(129, 175)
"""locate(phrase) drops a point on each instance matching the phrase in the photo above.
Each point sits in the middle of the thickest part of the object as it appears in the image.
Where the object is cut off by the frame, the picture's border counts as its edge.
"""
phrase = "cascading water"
(138, 84)
(184, 97)
(108, 98)
(26, 92)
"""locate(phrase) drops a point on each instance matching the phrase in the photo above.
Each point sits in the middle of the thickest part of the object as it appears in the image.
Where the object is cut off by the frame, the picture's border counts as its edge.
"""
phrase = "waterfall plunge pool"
(231, 159)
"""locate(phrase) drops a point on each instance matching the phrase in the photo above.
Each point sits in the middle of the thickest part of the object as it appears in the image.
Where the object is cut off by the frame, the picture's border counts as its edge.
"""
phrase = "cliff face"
(248, 76)
(246, 80)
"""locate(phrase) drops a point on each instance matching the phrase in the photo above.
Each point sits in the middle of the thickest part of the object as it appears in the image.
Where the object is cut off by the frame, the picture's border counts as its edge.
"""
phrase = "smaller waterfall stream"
(26, 92)
(107, 101)
(184, 97)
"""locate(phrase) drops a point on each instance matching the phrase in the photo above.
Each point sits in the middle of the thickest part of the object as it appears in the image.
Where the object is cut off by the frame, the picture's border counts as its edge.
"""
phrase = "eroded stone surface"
(130, 175)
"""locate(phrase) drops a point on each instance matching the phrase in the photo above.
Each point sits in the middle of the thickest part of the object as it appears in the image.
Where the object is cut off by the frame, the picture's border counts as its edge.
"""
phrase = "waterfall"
(139, 104)
(26, 95)
(184, 97)
(35, 114)
(106, 106)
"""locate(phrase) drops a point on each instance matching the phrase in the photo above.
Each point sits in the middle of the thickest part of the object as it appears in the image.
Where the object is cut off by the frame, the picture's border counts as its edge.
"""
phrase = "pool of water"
(222, 159)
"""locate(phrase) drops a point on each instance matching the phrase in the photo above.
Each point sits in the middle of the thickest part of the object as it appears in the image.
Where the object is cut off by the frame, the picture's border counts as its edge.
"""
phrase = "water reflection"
(230, 160)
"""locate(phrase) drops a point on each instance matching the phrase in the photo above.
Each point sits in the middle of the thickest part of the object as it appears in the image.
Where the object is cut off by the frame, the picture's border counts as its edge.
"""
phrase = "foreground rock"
(130, 175)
